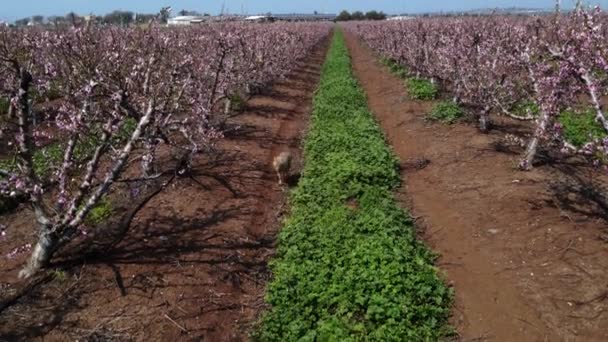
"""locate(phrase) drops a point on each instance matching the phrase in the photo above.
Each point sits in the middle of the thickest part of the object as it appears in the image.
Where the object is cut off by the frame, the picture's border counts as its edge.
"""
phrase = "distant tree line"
(192, 13)
(358, 15)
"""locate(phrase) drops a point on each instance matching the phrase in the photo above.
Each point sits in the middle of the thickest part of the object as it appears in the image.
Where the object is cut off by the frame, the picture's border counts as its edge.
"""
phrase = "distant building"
(400, 17)
(189, 20)
(186, 20)
(259, 18)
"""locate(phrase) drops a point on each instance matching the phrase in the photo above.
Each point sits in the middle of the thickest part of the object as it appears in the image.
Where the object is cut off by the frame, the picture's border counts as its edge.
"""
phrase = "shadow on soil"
(166, 239)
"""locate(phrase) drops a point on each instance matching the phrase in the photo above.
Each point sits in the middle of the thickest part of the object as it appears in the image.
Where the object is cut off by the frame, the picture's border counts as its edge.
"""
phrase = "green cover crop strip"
(348, 266)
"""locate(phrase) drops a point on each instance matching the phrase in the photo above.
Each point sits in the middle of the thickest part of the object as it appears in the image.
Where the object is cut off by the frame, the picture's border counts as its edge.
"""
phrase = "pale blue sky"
(14, 9)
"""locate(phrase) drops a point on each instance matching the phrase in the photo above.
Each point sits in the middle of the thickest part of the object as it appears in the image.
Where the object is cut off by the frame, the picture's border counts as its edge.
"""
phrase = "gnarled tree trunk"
(43, 251)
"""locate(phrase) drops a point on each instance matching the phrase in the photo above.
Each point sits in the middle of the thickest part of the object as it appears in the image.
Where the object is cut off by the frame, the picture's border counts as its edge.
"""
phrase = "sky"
(15, 9)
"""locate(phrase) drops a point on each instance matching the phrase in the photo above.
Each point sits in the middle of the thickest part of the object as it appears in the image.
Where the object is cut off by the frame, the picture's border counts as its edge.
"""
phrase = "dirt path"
(193, 265)
(526, 265)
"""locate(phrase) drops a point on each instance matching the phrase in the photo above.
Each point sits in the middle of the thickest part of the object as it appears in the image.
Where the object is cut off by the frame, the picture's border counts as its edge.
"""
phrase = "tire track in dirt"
(500, 234)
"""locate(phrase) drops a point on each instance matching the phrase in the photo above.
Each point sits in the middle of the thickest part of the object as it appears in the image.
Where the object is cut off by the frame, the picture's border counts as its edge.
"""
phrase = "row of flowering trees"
(494, 64)
(119, 95)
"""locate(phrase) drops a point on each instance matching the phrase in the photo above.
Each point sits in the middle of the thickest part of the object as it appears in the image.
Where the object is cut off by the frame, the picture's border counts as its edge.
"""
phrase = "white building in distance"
(400, 17)
(186, 20)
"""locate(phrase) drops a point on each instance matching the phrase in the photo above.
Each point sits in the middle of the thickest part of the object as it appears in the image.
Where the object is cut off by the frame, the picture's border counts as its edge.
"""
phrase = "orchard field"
(447, 180)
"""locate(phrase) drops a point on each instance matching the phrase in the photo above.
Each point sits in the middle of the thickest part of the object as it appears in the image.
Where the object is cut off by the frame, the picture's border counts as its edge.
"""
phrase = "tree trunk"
(526, 163)
(41, 254)
(484, 120)
(11, 111)
(227, 106)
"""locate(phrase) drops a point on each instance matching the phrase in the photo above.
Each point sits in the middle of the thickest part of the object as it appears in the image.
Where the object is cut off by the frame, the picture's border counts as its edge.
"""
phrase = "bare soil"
(527, 252)
(192, 263)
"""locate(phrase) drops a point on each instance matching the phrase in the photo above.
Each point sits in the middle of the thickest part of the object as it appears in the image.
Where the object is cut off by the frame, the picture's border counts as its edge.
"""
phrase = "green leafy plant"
(45, 159)
(59, 275)
(4, 103)
(421, 89)
(446, 112)
(395, 68)
(100, 213)
(526, 108)
(343, 274)
(387, 61)
(6, 164)
(124, 131)
(580, 127)
(237, 103)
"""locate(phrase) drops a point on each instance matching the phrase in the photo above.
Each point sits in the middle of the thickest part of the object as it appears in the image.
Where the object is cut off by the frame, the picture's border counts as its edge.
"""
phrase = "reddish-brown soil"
(193, 263)
(526, 252)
